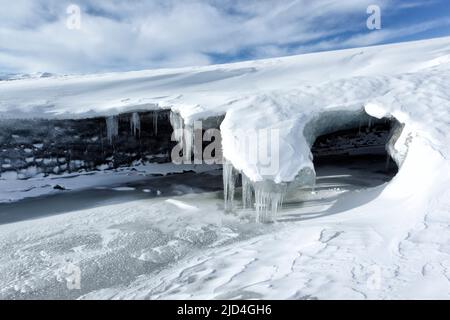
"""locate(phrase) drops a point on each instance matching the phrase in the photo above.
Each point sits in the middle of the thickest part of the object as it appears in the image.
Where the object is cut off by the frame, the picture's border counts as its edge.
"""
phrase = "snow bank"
(408, 81)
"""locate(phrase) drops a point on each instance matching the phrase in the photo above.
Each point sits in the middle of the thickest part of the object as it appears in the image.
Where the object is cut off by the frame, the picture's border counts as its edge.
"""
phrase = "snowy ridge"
(387, 242)
(408, 81)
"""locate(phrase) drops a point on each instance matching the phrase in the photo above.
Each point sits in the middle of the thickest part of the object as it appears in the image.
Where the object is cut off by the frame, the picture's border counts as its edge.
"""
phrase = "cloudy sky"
(116, 35)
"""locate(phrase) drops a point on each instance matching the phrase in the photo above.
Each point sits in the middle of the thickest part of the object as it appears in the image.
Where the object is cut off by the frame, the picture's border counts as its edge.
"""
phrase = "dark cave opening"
(353, 157)
(350, 159)
(55, 146)
(358, 151)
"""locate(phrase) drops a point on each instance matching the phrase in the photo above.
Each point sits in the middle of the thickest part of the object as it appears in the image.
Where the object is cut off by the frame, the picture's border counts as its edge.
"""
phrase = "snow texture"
(391, 241)
(407, 81)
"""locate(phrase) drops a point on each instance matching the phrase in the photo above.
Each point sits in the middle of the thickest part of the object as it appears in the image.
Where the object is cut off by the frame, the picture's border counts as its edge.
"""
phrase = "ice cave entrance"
(348, 149)
(363, 148)
(348, 155)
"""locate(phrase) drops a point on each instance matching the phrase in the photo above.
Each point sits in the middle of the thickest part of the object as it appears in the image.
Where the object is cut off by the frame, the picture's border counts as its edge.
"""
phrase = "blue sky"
(119, 35)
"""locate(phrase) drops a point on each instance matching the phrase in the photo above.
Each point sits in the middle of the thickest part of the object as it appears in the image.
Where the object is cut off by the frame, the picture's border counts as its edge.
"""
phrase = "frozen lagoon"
(122, 234)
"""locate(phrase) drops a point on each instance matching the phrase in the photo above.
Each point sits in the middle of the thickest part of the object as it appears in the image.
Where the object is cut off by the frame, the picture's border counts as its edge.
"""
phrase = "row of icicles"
(265, 197)
(262, 196)
(112, 125)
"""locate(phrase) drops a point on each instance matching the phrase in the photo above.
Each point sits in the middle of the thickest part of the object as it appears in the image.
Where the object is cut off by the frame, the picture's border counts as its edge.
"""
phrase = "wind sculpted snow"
(391, 241)
(408, 81)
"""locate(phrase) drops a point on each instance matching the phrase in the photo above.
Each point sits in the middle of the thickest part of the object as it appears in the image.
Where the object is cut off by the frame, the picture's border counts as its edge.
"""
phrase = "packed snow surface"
(391, 241)
(342, 241)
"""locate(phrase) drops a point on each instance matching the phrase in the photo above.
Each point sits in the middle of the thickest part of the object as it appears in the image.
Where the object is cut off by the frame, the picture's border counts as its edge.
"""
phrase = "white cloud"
(123, 35)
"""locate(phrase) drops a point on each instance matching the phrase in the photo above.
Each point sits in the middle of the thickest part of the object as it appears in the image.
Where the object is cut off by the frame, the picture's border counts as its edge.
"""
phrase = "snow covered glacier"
(404, 224)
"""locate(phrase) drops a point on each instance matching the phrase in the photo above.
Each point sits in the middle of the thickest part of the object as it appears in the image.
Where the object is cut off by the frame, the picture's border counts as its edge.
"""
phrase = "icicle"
(247, 195)
(135, 124)
(155, 123)
(183, 133)
(188, 143)
(269, 198)
(370, 123)
(229, 183)
(112, 128)
(177, 124)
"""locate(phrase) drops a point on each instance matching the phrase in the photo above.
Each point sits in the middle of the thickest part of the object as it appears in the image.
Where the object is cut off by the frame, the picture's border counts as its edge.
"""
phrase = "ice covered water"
(112, 128)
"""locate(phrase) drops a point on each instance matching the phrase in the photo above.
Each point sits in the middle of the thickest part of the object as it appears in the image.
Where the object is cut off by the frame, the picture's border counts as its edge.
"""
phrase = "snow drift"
(390, 241)
(409, 82)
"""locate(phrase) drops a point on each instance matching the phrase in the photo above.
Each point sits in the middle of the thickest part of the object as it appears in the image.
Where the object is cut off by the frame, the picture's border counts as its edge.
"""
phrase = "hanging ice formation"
(135, 124)
(112, 128)
(183, 133)
(188, 142)
(155, 123)
(177, 123)
(268, 199)
(268, 195)
(247, 193)
(229, 184)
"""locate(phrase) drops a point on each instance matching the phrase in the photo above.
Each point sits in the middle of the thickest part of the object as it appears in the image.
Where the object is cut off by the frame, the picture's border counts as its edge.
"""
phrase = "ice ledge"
(273, 155)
